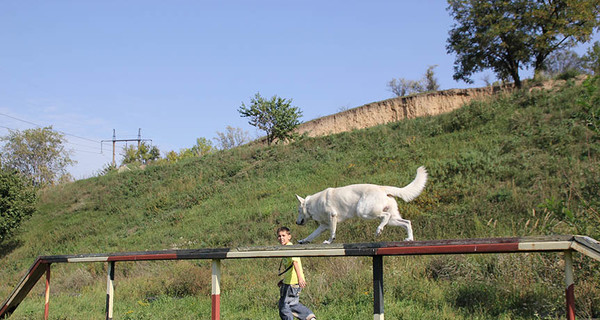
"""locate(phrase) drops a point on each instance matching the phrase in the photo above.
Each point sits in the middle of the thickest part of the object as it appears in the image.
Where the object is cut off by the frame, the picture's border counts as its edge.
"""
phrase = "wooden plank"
(582, 244)
(36, 271)
(587, 246)
(551, 243)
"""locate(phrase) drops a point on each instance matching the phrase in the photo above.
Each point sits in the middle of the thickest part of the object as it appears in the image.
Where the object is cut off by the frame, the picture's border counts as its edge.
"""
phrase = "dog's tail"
(413, 189)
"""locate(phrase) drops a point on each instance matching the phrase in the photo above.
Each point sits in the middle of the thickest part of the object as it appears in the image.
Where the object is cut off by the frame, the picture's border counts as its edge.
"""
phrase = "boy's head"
(284, 235)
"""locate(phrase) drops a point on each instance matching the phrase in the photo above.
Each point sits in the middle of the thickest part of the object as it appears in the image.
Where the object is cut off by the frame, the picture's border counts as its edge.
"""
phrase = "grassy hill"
(517, 165)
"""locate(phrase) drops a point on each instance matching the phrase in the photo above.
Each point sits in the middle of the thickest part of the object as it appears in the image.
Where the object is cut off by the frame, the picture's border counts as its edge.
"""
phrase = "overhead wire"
(37, 125)
(61, 132)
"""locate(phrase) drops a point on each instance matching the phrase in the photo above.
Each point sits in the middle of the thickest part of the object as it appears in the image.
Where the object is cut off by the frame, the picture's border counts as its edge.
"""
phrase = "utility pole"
(115, 140)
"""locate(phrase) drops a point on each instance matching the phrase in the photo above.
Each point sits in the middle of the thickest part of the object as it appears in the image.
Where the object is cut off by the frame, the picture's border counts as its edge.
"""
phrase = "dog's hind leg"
(406, 224)
(313, 235)
(384, 220)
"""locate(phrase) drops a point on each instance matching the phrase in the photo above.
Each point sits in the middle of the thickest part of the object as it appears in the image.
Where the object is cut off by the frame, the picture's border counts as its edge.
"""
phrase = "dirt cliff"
(395, 109)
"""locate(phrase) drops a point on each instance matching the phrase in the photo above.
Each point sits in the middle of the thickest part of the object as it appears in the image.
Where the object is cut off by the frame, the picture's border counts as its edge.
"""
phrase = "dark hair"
(286, 229)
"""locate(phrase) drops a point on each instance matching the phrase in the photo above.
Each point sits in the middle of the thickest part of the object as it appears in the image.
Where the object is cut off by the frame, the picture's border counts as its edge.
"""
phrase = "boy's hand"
(301, 283)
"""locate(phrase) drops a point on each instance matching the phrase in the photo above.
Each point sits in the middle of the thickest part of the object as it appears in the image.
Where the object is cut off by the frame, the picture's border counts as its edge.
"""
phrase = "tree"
(591, 59)
(563, 61)
(234, 137)
(559, 24)
(17, 201)
(505, 35)
(38, 153)
(142, 154)
(276, 116)
(430, 82)
(203, 147)
(402, 87)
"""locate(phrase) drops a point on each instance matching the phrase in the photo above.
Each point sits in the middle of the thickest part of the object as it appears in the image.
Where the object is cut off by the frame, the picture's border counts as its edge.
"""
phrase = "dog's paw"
(409, 239)
(327, 242)
(303, 241)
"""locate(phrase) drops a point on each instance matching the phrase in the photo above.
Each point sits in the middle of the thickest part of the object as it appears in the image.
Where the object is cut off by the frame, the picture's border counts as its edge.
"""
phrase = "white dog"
(367, 201)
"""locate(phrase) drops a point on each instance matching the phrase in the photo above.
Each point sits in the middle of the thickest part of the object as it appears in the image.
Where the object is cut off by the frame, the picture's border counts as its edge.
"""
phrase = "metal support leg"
(378, 287)
(47, 294)
(569, 284)
(216, 290)
(110, 290)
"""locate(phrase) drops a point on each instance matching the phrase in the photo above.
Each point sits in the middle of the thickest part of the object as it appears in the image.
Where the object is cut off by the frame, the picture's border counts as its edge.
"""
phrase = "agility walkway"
(566, 245)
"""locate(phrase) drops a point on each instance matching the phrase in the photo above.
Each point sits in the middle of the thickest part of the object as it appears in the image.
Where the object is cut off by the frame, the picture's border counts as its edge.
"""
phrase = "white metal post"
(110, 290)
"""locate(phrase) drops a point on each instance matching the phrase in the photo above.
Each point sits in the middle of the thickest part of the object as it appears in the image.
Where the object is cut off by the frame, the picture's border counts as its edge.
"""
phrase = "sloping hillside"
(520, 164)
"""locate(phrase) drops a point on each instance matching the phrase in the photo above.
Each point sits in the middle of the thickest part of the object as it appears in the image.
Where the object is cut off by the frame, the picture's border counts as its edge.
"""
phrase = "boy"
(293, 282)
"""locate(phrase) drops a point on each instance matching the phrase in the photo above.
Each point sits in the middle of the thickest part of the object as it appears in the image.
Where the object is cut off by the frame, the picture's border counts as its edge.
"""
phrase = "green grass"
(517, 165)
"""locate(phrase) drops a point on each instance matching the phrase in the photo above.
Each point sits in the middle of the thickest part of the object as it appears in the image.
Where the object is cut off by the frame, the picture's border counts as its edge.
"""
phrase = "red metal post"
(47, 294)
(216, 290)
(570, 286)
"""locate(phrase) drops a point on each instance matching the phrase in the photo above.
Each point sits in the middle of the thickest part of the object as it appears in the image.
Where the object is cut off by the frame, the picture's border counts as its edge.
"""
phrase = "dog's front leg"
(332, 227)
(313, 235)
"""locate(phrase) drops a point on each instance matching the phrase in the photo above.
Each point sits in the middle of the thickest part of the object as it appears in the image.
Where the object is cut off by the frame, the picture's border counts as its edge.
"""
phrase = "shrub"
(17, 202)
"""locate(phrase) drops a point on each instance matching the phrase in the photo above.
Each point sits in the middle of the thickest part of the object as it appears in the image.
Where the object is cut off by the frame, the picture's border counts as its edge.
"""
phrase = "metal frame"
(561, 244)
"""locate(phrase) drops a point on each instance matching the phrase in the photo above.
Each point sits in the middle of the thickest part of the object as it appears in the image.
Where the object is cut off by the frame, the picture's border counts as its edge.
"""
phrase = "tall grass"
(518, 165)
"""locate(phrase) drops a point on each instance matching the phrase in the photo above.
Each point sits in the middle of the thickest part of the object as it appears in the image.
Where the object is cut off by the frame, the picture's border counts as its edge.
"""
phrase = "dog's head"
(302, 212)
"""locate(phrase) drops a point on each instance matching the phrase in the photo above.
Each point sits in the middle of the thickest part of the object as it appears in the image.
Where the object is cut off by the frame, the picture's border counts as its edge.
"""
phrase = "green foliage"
(591, 59)
(523, 164)
(144, 153)
(37, 153)
(508, 35)
(202, 148)
(590, 104)
(276, 116)
(17, 202)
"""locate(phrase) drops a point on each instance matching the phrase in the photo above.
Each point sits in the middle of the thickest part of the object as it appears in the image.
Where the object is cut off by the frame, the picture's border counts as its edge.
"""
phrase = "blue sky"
(179, 70)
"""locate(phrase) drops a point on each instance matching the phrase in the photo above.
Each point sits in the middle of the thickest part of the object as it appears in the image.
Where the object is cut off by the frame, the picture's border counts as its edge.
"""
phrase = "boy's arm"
(301, 281)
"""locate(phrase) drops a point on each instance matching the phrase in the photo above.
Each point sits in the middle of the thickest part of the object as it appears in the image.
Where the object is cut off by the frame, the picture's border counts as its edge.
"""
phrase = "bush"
(17, 202)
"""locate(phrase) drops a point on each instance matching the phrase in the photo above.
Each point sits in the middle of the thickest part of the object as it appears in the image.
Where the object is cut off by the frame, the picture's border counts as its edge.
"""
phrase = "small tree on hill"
(203, 147)
(144, 154)
(276, 116)
(37, 153)
(402, 87)
(234, 137)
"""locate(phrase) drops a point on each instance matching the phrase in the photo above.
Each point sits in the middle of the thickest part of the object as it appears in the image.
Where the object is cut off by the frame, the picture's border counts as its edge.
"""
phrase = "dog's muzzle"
(300, 222)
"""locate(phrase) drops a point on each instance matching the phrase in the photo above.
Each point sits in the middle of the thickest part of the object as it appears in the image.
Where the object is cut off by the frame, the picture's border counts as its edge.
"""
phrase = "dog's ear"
(299, 199)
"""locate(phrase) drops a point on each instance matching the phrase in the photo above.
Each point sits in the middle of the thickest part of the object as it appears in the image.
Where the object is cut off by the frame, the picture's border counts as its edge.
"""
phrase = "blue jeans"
(289, 304)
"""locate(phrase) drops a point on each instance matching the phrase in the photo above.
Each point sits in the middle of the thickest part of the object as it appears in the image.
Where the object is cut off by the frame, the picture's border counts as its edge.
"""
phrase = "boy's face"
(283, 237)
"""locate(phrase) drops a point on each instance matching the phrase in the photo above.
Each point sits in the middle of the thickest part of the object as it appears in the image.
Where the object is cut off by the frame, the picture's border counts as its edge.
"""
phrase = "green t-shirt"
(290, 276)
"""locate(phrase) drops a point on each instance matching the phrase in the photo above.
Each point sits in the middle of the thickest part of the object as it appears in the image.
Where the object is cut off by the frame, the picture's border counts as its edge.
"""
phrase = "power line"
(37, 125)
(66, 142)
